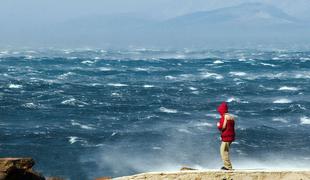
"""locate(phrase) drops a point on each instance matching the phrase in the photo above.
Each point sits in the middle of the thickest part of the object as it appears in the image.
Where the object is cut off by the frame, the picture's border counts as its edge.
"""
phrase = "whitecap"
(148, 86)
(88, 62)
(70, 101)
(304, 58)
(83, 126)
(166, 110)
(287, 88)
(277, 119)
(104, 69)
(238, 73)
(180, 56)
(192, 88)
(141, 69)
(96, 84)
(117, 84)
(213, 115)
(184, 130)
(28, 57)
(304, 120)
(74, 102)
(72, 58)
(65, 75)
(116, 94)
(203, 124)
(30, 105)
(170, 78)
(15, 86)
(282, 101)
(73, 139)
(233, 99)
(267, 64)
(195, 92)
(218, 62)
(211, 75)
(4, 52)
(156, 148)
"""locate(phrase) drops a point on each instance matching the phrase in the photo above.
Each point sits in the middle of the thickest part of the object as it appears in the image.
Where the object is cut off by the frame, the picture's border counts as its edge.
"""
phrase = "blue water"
(88, 113)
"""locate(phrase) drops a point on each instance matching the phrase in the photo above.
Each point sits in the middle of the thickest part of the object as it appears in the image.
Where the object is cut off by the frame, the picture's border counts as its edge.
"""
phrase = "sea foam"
(287, 88)
(15, 86)
(238, 73)
(117, 84)
(82, 125)
(304, 120)
(282, 101)
(218, 62)
(166, 110)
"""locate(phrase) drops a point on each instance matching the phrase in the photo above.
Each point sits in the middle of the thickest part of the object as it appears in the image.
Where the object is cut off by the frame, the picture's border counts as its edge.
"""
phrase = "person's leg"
(225, 154)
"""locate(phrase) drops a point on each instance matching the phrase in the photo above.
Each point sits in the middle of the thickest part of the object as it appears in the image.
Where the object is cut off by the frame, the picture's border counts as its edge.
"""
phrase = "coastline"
(218, 174)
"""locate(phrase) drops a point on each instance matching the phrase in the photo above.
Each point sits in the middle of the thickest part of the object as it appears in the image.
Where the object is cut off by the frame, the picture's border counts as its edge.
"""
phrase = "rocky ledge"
(20, 169)
(222, 175)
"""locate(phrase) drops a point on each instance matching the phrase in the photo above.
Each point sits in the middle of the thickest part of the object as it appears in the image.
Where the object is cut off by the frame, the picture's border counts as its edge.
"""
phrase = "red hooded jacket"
(228, 133)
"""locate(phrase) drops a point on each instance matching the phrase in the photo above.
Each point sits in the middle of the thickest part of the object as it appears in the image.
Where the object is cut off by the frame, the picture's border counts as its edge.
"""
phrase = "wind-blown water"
(90, 113)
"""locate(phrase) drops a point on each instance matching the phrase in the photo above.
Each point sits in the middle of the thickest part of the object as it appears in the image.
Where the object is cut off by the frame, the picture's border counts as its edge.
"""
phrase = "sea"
(87, 113)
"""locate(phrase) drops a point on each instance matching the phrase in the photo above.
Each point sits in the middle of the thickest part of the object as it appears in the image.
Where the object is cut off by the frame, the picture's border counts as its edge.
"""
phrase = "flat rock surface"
(223, 175)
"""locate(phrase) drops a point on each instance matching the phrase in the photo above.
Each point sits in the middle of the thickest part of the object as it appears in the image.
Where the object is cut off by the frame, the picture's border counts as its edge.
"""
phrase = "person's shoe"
(224, 168)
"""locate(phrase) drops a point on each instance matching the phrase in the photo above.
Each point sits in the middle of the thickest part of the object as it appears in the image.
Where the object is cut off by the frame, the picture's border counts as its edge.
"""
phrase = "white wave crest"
(116, 94)
(30, 105)
(148, 86)
(170, 77)
(218, 62)
(74, 102)
(282, 101)
(235, 99)
(72, 139)
(104, 69)
(238, 73)
(203, 124)
(192, 88)
(267, 64)
(287, 88)
(213, 115)
(83, 126)
(141, 69)
(66, 75)
(211, 75)
(304, 120)
(88, 62)
(166, 110)
(15, 86)
(277, 119)
(117, 84)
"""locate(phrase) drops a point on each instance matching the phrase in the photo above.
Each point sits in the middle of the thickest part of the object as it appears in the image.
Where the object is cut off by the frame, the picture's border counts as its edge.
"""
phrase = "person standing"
(226, 125)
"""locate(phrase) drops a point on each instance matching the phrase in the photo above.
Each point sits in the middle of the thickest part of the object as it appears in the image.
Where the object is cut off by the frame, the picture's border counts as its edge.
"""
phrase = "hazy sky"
(47, 22)
(30, 11)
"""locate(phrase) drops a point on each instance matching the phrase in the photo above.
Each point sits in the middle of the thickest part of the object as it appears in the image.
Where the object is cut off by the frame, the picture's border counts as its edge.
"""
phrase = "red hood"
(223, 108)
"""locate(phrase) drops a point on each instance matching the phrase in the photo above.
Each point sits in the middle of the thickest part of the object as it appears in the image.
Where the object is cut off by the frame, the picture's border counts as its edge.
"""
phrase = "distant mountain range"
(250, 22)
(245, 14)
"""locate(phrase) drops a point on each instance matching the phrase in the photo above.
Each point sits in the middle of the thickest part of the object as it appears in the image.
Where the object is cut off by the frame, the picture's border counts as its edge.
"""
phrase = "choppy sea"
(88, 113)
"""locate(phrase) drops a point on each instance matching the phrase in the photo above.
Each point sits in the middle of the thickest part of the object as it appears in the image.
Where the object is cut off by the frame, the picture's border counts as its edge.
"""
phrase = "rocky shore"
(20, 169)
(222, 175)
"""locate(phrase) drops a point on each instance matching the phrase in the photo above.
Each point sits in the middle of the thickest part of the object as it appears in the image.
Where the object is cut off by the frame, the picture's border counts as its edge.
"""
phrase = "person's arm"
(225, 122)
(220, 124)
